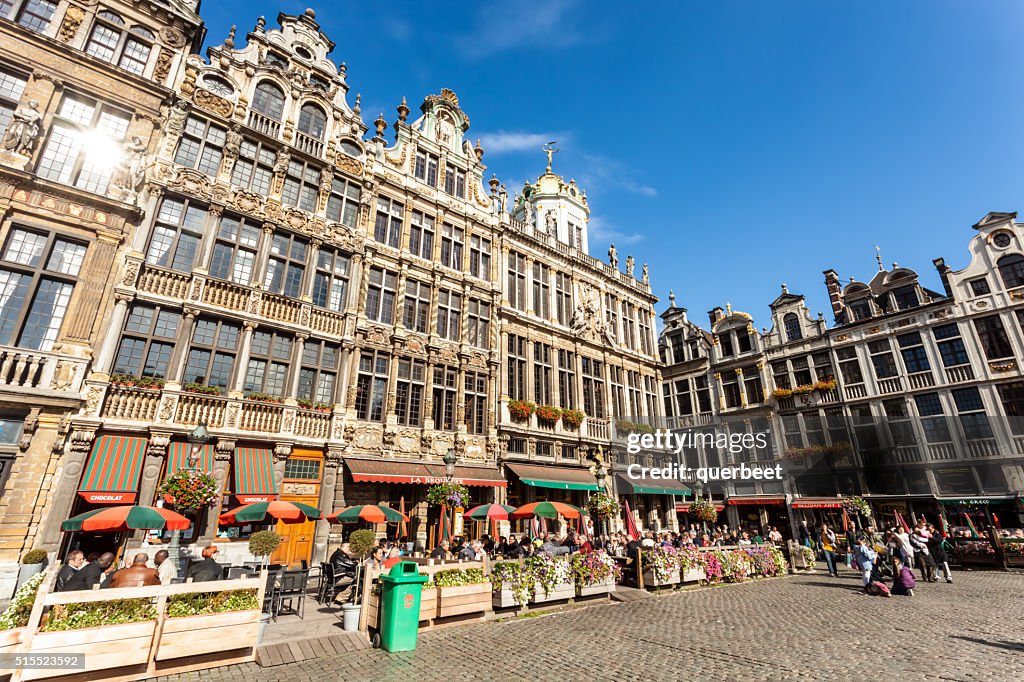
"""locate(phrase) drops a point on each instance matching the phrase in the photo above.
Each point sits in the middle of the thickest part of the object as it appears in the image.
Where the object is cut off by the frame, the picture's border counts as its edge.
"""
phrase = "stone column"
(153, 468)
(141, 236)
(213, 216)
(105, 354)
(222, 455)
(355, 277)
(296, 368)
(321, 535)
(311, 260)
(259, 271)
(242, 361)
(176, 366)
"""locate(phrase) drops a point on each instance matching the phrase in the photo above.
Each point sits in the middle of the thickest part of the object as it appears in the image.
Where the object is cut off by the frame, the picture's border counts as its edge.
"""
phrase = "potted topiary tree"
(32, 562)
(360, 543)
(262, 544)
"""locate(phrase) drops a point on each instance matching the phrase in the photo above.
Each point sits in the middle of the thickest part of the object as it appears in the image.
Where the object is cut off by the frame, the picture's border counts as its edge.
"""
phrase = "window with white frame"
(445, 393)
(32, 14)
(254, 167)
(211, 355)
(541, 373)
(269, 357)
(449, 315)
(646, 337)
(618, 390)
(371, 385)
(380, 295)
(455, 181)
(318, 375)
(516, 280)
(286, 266)
(312, 121)
(409, 392)
(629, 325)
(541, 290)
(425, 168)
(476, 402)
(301, 185)
(343, 202)
(567, 379)
(563, 298)
(452, 245)
(38, 271)
(12, 85)
(387, 228)
(234, 251)
(479, 323)
(421, 235)
(148, 341)
(516, 377)
(480, 257)
(112, 41)
(84, 141)
(177, 234)
(330, 283)
(416, 307)
(201, 146)
(593, 387)
(268, 100)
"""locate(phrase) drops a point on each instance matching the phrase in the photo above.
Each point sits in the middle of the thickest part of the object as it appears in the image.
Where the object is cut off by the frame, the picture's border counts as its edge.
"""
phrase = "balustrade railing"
(127, 402)
(313, 424)
(921, 380)
(194, 408)
(956, 375)
(264, 124)
(226, 295)
(281, 309)
(856, 391)
(258, 416)
(309, 145)
(155, 280)
(894, 385)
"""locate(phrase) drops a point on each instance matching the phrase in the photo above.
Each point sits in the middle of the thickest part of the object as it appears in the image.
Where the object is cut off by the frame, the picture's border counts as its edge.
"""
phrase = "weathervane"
(551, 148)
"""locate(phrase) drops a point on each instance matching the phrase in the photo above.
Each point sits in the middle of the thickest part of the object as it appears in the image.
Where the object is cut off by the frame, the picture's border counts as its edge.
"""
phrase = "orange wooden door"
(298, 539)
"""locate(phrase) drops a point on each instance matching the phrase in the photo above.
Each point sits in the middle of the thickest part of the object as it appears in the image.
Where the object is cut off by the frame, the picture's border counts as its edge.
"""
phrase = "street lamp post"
(449, 465)
(199, 437)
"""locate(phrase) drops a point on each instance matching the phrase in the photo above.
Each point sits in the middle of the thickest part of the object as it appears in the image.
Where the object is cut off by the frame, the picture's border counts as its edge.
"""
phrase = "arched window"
(792, 324)
(129, 50)
(1011, 268)
(312, 121)
(269, 100)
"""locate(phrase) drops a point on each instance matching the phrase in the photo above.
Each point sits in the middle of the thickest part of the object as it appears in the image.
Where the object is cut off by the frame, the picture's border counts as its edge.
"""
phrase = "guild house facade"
(340, 308)
(82, 85)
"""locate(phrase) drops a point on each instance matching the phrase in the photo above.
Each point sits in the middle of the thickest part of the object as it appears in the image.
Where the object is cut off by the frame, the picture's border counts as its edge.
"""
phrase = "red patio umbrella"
(547, 510)
(371, 513)
(125, 518)
(258, 512)
(634, 533)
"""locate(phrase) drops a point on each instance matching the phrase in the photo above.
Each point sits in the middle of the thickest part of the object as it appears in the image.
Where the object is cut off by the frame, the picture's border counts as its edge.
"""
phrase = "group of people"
(83, 573)
(892, 555)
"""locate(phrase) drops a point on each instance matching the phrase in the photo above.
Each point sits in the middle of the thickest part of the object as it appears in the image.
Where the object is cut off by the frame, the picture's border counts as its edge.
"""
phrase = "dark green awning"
(648, 486)
(558, 478)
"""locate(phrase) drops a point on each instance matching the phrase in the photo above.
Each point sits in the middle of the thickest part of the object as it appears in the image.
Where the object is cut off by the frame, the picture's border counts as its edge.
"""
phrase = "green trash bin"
(400, 604)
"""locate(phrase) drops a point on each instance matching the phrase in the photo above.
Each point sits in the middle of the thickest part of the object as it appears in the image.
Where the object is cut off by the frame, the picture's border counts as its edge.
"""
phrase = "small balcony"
(921, 380)
(33, 371)
(309, 145)
(894, 385)
(956, 375)
(264, 124)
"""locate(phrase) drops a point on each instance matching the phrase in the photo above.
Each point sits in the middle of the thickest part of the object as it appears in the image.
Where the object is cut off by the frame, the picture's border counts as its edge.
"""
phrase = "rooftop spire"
(878, 257)
(551, 148)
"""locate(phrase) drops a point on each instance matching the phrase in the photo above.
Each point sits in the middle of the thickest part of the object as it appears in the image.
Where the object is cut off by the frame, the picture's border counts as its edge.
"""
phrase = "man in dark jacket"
(75, 561)
(207, 569)
(90, 574)
(937, 550)
(136, 575)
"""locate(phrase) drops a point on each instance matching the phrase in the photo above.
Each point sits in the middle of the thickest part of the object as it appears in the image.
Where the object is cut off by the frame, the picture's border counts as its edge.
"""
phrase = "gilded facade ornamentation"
(163, 65)
(69, 27)
(167, 406)
(212, 103)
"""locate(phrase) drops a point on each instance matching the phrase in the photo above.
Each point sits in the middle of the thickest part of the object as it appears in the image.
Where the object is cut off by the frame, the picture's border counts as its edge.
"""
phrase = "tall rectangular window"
(301, 185)
(703, 390)
(147, 341)
(567, 379)
(416, 308)
(425, 168)
(452, 245)
(201, 146)
(455, 181)
(542, 373)
(618, 404)
(881, 358)
(563, 298)
(176, 235)
(318, 375)
(480, 257)
(476, 402)
(421, 235)
(752, 385)
(1011, 395)
(269, 357)
(211, 355)
(517, 280)
(516, 367)
(446, 388)
(409, 392)
(914, 356)
(650, 395)
(479, 323)
(951, 345)
(683, 399)
(380, 295)
(971, 411)
(823, 367)
(635, 404)
(371, 385)
(330, 282)
(629, 325)
(994, 340)
(110, 42)
(646, 339)
(254, 167)
(611, 315)
(286, 266)
(449, 315)
(387, 227)
(541, 290)
(11, 87)
(593, 387)
(849, 365)
(936, 430)
(67, 157)
(234, 252)
(343, 202)
(38, 272)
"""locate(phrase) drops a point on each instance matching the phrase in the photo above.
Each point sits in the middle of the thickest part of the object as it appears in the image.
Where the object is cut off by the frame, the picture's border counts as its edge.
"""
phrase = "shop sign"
(249, 499)
(816, 504)
(968, 502)
(108, 497)
(459, 526)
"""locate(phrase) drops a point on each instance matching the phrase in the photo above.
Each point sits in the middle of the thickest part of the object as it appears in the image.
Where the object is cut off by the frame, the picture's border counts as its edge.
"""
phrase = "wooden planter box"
(557, 593)
(457, 601)
(692, 575)
(600, 588)
(428, 608)
(651, 581)
(195, 635)
(504, 598)
(109, 646)
(10, 640)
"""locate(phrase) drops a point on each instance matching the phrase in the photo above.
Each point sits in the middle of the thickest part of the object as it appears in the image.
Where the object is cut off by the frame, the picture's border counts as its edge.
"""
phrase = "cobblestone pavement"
(807, 627)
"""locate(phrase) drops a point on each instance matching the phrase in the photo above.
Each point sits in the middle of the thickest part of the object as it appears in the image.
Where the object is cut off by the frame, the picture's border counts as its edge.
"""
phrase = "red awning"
(112, 473)
(178, 455)
(817, 503)
(685, 507)
(254, 475)
(391, 471)
(756, 499)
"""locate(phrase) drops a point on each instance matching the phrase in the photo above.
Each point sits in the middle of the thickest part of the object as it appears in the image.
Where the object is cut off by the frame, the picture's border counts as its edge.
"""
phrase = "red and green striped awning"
(254, 475)
(178, 455)
(112, 473)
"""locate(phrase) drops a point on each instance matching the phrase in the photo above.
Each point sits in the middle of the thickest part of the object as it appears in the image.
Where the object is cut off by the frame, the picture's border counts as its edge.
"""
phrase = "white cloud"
(601, 233)
(519, 23)
(505, 141)
(603, 174)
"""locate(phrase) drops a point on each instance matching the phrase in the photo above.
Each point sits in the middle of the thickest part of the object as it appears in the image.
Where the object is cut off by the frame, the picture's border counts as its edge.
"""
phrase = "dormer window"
(455, 181)
(218, 85)
(1001, 239)
(743, 341)
(1011, 269)
(861, 310)
(726, 341)
(792, 324)
(34, 14)
(274, 59)
(906, 297)
(426, 168)
(350, 148)
(979, 287)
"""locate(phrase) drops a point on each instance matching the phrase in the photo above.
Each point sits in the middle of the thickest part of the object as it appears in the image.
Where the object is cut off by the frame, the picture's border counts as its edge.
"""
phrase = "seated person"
(136, 575)
(208, 569)
(442, 551)
(90, 574)
(903, 582)
(343, 564)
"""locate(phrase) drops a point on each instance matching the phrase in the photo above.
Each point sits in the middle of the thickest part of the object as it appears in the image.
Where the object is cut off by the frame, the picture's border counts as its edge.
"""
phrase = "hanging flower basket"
(704, 510)
(520, 410)
(547, 414)
(190, 489)
(602, 506)
(782, 393)
(448, 495)
(857, 505)
(571, 419)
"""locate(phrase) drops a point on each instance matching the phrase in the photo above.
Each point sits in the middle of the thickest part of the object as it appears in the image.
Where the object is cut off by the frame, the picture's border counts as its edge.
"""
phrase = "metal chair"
(325, 591)
(270, 594)
(292, 588)
(235, 572)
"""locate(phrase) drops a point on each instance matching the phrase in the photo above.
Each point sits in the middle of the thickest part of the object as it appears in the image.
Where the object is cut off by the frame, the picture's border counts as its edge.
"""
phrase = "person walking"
(865, 557)
(937, 551)
(827, 546)
(922, 557)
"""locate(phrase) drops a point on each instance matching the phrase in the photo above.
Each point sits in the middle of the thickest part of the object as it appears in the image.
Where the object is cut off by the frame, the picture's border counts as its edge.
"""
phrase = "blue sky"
(733, 144)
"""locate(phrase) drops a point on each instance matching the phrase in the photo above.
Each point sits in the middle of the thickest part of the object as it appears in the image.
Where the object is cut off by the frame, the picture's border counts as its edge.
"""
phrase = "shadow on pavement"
(1012, 646)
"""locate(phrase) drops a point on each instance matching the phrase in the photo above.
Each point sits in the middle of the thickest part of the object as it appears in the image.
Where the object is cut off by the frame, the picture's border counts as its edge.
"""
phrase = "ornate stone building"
(81, 89)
